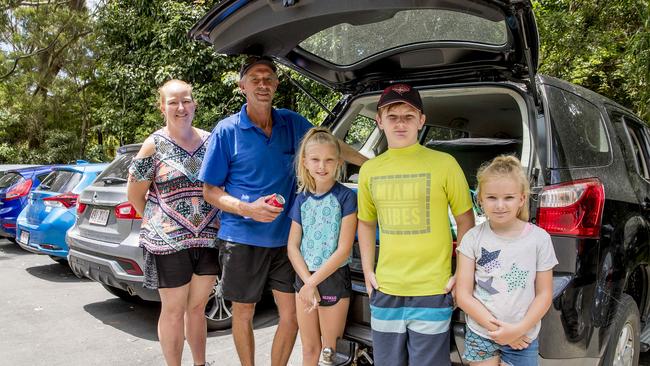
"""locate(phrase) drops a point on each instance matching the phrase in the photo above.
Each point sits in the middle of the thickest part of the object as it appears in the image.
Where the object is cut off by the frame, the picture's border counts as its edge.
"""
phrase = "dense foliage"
(78, 79)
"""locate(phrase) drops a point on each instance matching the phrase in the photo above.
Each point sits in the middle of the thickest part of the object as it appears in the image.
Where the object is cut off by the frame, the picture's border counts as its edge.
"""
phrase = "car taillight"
(65, 200)
(126, 211)
(573, 208)
(130, 266)
(20, 189)
(81, 207)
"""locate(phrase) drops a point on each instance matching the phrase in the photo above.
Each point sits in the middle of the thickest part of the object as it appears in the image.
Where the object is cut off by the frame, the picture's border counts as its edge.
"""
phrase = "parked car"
(15, 186)
(475, 65)
(104, 243)
(52, 210)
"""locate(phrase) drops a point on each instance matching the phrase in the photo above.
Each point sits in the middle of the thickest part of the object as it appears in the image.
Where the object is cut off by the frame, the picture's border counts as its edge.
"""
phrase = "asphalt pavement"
(50, 317)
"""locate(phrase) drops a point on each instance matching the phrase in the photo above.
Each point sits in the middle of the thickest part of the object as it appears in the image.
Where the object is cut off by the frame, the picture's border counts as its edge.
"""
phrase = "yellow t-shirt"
(408, 191)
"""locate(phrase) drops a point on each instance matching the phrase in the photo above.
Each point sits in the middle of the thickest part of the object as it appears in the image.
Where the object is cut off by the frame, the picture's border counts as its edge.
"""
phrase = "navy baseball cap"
(251, 61)
(401, 93)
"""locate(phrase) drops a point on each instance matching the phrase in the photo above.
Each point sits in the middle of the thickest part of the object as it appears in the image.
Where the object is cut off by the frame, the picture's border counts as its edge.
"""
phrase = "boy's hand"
(371, 282)
(506, 333)
(451, 287)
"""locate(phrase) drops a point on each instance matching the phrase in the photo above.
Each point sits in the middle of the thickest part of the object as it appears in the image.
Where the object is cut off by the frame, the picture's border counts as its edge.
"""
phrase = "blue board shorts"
(410, 330)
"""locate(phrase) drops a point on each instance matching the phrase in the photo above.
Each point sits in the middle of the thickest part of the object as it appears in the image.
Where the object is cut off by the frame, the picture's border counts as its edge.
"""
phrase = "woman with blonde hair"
(179, 228)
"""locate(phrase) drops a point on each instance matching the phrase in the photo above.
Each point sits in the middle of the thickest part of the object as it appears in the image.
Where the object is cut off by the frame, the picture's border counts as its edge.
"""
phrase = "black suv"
(475, 65)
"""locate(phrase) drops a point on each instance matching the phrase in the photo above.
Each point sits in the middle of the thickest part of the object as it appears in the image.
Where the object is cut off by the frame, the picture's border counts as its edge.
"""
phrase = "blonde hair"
(506, 166)
(161, 90)
(316, 135)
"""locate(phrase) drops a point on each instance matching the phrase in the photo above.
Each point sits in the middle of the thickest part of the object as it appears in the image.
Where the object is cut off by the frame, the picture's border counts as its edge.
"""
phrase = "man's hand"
(371, 282)
(506, 333)
(260, 210)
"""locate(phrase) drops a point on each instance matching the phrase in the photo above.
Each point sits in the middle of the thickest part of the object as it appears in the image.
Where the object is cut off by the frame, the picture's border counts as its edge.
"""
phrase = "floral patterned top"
(176, 216)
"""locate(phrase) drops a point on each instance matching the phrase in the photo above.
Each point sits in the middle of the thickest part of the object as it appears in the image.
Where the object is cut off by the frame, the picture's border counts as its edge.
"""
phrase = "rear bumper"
(98, 262)
(49, 233)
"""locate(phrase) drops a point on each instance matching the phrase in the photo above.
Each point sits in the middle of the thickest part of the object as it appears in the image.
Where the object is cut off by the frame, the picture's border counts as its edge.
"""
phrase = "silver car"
(104, 241)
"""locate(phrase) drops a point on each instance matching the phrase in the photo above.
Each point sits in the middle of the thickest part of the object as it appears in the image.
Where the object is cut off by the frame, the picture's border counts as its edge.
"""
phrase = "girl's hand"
(371, 282)
(506, 333)
(522, 343)
(309, 295)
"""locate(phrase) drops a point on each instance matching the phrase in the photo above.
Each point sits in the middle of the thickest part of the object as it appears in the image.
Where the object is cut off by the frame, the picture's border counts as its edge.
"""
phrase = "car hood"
(348, 45)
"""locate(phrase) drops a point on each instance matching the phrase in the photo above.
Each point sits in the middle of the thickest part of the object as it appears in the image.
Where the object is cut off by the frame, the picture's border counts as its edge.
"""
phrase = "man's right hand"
(371, 282)
(260, 210)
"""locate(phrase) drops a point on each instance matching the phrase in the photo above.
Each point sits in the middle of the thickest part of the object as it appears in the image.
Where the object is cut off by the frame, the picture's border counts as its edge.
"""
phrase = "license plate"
(24, 237)
(99, 216)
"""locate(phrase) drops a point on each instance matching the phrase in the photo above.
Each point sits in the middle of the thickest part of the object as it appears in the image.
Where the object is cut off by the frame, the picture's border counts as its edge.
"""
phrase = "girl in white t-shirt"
(504, 271)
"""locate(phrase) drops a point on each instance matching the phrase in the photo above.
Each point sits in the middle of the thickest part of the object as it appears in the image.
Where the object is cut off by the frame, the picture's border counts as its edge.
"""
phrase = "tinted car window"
(578, 130)
(9, 179)
(60, 181)
(345, 44)
(117, 172)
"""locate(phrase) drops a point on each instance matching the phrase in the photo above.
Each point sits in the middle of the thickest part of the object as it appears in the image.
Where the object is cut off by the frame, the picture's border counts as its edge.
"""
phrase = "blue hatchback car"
(15, 186)
(51, 210)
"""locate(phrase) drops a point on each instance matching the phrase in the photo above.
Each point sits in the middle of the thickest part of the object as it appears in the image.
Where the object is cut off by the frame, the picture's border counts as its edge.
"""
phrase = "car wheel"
(623, 346)
(218, 311)
(59, 260)
(124, 295)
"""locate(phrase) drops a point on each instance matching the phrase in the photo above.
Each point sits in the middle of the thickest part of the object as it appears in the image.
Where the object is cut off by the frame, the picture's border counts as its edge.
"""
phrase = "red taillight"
(20, 189)
(126, 211)
(81, 207)
(130, 266)
(9, 226)
(572, 209)
(66, 200)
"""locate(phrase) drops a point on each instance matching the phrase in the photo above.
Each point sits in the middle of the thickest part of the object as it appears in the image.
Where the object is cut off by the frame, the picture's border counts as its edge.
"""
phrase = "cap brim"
(398, 101)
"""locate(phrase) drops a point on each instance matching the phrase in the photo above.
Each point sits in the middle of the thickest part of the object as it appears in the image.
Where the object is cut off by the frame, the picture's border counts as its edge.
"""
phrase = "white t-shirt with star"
(505, 269)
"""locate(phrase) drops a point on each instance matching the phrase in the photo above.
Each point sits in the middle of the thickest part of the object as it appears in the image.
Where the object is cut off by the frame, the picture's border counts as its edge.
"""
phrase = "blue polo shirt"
(248, 164)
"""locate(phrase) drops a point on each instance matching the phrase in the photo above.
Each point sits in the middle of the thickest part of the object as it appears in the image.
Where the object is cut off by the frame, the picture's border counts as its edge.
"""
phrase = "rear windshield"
(9, 180)
(579, 133)
(345, 44)
(117, 172)
(60, 181)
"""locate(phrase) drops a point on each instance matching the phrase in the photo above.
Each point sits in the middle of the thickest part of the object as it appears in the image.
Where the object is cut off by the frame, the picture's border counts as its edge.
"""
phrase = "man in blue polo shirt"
(249, 158)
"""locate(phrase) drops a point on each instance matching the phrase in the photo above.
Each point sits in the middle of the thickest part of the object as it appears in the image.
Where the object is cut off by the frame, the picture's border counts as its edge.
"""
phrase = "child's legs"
(429, 318)
(388, 332)
(332, 321)
(309, 333)
(480, 351)
(524, 357)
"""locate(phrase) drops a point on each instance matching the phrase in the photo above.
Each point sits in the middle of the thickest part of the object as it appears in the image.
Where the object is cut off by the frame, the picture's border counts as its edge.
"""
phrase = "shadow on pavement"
(10, 249)
(55, 272)
(266, 315)
(138, 320)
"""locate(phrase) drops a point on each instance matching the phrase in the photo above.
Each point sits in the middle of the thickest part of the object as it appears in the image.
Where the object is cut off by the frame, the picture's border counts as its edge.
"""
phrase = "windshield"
(117, 172)
(346, 44)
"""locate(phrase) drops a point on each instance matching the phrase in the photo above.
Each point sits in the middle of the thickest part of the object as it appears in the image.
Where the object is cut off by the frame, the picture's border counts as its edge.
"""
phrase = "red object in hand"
(276, 200)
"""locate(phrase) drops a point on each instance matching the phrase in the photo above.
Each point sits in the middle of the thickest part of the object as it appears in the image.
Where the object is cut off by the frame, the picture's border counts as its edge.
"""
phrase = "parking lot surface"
(50, 317)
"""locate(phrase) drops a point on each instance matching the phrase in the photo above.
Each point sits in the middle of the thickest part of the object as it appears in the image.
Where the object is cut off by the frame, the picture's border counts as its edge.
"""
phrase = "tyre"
(59, 260)
(124, 295)
(623, 346)
(218, 311)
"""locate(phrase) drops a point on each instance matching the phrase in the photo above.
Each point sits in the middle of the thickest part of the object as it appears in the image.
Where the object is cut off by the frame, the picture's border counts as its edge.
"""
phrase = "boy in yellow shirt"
(408, 191)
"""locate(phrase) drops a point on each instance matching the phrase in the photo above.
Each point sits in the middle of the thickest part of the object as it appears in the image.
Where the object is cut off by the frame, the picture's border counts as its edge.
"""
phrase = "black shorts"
(176, 269)
(247, 270)
(334, 288)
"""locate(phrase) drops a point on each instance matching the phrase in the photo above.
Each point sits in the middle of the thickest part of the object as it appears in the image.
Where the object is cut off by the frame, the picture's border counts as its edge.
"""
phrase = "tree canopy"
(78, 79)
